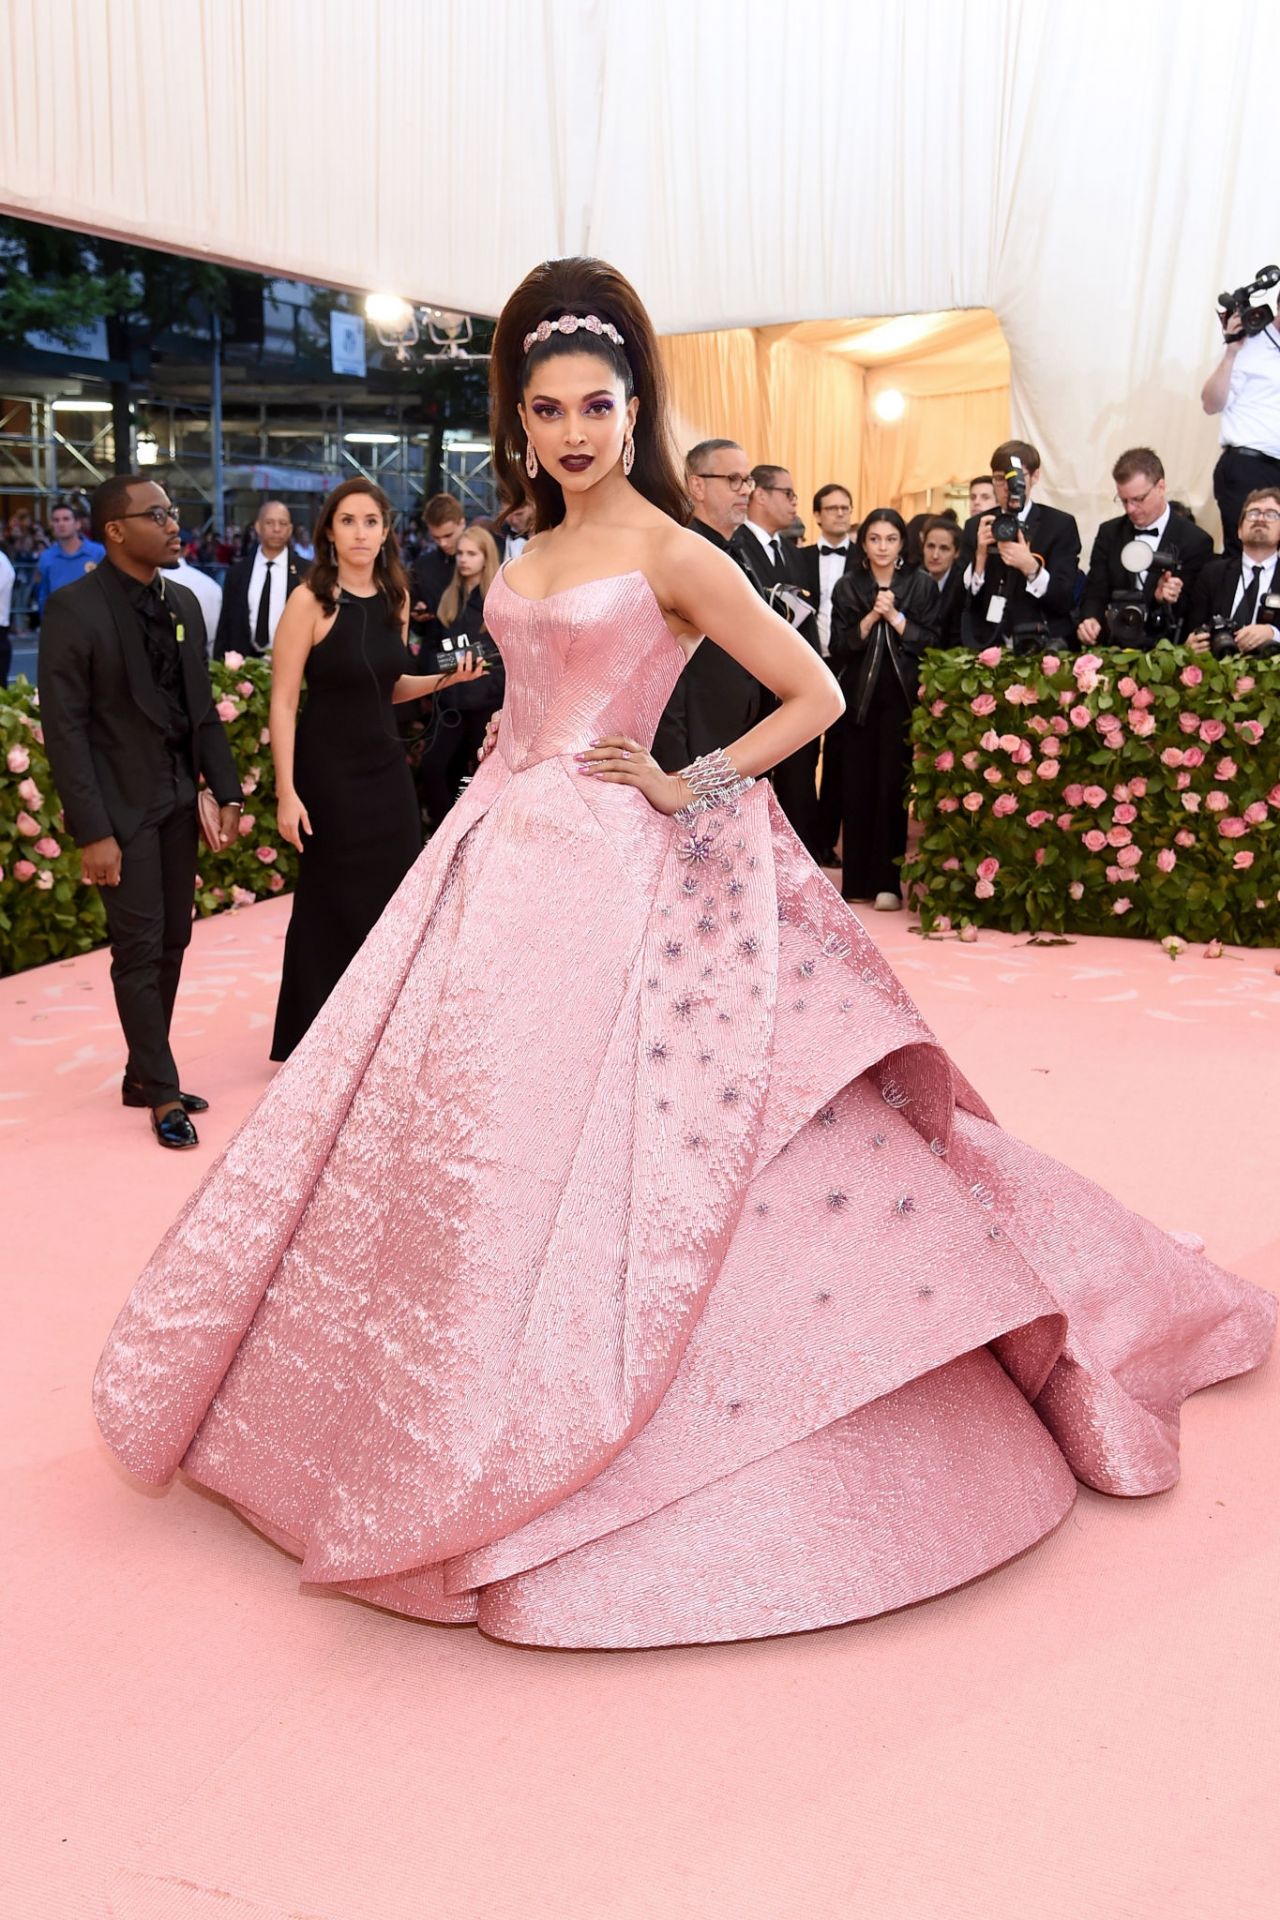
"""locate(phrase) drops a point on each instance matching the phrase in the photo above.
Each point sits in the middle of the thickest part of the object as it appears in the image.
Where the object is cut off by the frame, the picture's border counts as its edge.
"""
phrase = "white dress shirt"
(514, 545)
(766, 541)
(6, 588)
(1265, 578)
(207, 592)
(831, 568)
(1037, 588)
(1251, 417)
(279, 589)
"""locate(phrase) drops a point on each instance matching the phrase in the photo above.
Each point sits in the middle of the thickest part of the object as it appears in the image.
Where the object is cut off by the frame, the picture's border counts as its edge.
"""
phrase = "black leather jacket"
(858, 663)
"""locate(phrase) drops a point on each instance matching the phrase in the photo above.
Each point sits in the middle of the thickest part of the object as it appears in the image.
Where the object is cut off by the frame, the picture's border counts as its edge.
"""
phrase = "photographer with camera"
(1244, 388)
(1020, 561)
(1144, 563)
(1236, 604)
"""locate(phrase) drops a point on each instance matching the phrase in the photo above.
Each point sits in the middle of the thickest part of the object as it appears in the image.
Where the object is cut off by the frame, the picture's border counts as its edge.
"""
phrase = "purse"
(209, 815)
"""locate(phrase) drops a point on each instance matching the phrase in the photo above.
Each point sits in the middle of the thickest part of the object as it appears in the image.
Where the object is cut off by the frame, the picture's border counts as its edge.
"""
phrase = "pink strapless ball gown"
(620, 1260)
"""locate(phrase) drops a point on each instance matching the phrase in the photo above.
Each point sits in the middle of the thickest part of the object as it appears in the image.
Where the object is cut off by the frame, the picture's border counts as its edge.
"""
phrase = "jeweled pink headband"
(570, 323)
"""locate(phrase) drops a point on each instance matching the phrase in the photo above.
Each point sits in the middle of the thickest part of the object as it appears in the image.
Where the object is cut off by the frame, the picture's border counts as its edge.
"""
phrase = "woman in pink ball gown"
(619, 1260)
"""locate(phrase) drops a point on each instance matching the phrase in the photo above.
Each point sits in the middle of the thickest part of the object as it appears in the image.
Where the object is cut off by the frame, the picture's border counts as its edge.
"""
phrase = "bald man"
(257, 587)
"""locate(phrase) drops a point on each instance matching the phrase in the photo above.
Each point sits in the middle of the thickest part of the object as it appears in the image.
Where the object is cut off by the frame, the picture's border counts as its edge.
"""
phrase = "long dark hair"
(389, 576)
(580, 286)
(891, 517)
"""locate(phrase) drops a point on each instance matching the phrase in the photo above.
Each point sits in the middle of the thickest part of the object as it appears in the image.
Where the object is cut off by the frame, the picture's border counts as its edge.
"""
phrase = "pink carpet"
(1086, 1735)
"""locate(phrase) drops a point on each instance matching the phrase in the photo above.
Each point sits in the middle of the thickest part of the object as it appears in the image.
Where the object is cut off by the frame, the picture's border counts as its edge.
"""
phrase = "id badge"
(995, 609)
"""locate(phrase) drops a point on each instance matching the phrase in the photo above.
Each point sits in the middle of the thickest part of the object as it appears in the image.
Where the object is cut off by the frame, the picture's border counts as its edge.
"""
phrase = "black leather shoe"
(134, 1097)
(174, 1129)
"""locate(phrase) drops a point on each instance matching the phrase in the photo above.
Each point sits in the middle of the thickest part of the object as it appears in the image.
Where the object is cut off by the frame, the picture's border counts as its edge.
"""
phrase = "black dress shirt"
(160, 641)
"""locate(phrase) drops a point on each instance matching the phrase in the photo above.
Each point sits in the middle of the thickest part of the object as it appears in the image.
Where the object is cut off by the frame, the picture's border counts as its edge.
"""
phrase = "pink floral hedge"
(1127, 793)
(45, 911)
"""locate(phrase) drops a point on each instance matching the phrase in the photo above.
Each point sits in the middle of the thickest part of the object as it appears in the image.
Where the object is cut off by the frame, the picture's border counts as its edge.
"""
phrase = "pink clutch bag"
(209, 814)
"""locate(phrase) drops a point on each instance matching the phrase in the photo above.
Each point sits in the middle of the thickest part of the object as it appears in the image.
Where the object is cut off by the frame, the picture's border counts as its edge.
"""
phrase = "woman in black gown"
(883, 616)
(345, 796)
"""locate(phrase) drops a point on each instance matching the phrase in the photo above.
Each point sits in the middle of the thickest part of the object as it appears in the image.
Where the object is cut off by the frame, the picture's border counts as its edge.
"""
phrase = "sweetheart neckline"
(601, 579)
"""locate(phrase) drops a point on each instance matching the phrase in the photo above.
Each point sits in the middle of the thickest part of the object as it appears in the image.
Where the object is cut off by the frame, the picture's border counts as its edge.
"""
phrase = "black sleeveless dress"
(353, 779)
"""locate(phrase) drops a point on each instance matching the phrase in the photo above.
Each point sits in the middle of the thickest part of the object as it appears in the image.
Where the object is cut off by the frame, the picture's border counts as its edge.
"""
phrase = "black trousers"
(149, 922)
(831, 784)
(877, 758)
(1234, 478)
(795, 781)
(454, 738)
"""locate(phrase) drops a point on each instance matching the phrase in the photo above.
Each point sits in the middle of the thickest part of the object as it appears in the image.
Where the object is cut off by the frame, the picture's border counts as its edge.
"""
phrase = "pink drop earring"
(628, 454)
(531, 462)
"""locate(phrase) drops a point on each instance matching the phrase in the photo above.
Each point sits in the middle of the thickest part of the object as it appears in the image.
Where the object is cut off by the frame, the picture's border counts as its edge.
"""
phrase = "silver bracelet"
(716, 782)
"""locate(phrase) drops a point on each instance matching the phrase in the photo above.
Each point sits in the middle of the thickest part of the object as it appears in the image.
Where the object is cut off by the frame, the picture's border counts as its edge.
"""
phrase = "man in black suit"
(445, 523)
(821, 565)
(130, 727)
(1243, 587)
(256, 588)
(773, 562)
(715, 700)
(1033, 578)
(1148, 517)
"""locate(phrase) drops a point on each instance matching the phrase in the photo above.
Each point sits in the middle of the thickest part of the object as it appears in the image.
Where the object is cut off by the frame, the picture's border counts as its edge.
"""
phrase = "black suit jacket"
(1055, 536)
(1106, 575)
(105, 723)
(953, 605)
(1215, 591)
(792, 573)
(858, 663)
(714, 700)
(235, 635)
(809, 569)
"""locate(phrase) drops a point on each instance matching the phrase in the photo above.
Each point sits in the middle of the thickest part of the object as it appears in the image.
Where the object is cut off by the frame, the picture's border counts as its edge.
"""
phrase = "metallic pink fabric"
(619, 1260)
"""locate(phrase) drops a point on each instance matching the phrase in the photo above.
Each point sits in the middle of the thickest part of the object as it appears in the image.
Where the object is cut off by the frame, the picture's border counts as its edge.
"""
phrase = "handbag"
(209, 815)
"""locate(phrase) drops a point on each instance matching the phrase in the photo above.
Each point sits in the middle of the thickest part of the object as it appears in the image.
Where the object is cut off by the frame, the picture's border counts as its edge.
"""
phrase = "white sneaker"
(888, 903)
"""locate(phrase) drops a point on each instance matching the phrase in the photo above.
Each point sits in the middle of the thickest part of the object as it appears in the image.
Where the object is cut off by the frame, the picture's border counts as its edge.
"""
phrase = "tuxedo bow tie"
(833, 553)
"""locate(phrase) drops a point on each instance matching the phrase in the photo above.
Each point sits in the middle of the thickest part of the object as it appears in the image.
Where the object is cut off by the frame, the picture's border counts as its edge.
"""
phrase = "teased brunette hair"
(389, 576)
(580, 286)
(458, 591)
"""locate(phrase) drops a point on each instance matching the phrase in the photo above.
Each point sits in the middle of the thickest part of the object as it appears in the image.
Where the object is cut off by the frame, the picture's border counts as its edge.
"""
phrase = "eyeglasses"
(158, 516)
(1269, 514)
(739, 482)
(1138, 500)
(788, 493)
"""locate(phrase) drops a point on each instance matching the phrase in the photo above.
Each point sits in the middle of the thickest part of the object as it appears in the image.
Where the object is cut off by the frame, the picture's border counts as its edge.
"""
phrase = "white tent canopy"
(1091, 173)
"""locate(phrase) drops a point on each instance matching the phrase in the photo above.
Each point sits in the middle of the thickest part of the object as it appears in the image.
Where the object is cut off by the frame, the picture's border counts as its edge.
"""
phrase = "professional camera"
(1239, 305)
(1126, 619)
(1030, 636)
(448, 658)
(1006, 524)
(1223, 630)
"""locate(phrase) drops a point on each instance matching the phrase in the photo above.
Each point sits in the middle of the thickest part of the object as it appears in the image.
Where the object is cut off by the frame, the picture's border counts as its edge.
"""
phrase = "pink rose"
(1095, 840)
(1121, 906)
(28, 827)
(1127, 687)
(1191, 676)
(275, 882)
(1193, 757)
(1138, 787)
(1129, 856)
(1080, 716)
(249, 786)
(1250, 730)
(266, 855)
(30, 792)
(1050, 664)
(984, 889)
(1039, 856)
(1076, 889)
(50, 850)
(1037, 723)
(1008, 742)
(988, 868)
(1184, 837)
(948, 803)
(1125, 816)
(1058, 725)
(990, 657)
(1182, 780)
(1142, 724)
(226, 710)
(264, 738)
(1191, 801)
(1166, 859)
(1211, 730)
(37, 733)
(247, 823)
(1118, 836)
(973, 803)
(1067, 698)
(938, 708)
(1065, 821)
(1086, 663)
(1024, 776)
(970, 760)
(993, 776)
(23, 869)
(943, 762)
(1232, 829)
(44, 880)
(1143, 697)
(1073, 795)
(1114, 876)
(1189, 722)
(1243, 859)
(1214, 950)
(244, 687)
(1051, 749)
(1171, 756)
(1094, 796)
(1120, 791)
(1217, 801)
(1255, 813)
(1047, 770)
(951, 866)
(1038, 818)
(968, 933)
(233, 660)
(19, 759)
(983, 704)
(1022, 753)
(1273, 798)
(1005, 804)
(241, 897)
(989, 741)
(1019, 696)
(1245, 684)
(1226, 769)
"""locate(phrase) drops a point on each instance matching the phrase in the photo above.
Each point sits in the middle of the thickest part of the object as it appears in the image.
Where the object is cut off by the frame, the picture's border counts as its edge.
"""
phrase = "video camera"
(1239, 305)
(448, 658)
(1006, 524)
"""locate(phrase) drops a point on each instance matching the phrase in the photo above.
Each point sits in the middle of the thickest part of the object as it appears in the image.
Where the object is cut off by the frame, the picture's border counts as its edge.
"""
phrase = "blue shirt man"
(68, 559)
